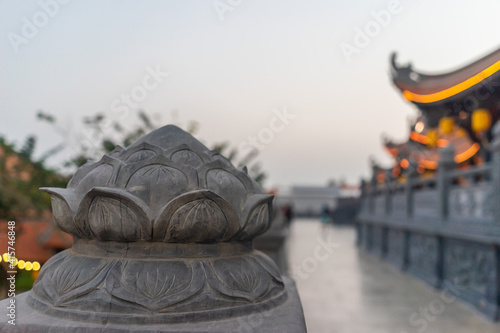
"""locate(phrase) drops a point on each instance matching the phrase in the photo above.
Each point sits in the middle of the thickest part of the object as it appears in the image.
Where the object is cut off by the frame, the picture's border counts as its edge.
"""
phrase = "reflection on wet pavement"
(346, 290)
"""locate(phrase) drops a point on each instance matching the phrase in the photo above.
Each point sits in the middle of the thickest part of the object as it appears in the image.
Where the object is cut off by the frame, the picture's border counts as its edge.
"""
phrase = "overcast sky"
(232, 67)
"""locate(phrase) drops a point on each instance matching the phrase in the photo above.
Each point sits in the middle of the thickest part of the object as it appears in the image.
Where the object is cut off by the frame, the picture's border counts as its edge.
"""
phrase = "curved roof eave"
(424, 88)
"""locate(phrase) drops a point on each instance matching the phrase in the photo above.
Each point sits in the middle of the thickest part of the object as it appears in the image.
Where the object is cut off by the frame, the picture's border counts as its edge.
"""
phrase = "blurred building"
(308, 201)
(434, 213)
(347, 204)
(455, 110)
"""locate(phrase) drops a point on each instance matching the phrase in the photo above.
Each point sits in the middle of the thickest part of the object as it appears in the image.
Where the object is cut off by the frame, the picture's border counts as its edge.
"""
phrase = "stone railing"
(163, 242)
(274, 241)
(444, 230)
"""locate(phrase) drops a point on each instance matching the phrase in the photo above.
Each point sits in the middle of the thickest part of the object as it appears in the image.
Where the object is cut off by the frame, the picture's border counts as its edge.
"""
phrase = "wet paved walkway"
(347, 291)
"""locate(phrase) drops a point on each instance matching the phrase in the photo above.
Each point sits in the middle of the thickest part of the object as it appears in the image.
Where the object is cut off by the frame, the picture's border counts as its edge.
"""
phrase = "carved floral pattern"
(471, 201)
(156, 285)
(65, 278)
(469, 265)
(423, 252)
(378, 241)
(396, 245)
(200, 220)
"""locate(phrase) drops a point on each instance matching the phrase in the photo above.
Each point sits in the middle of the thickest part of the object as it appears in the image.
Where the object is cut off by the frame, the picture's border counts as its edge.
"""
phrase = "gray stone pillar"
(373, 189)
(388, 188)
(274, 242)
(495, 178)
(495, 172)
(163, 242)
(446, 163)
(409, 196)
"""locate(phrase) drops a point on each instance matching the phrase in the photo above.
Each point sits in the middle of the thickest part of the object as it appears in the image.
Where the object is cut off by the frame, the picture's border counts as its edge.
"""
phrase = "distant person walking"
(287, 212)
(325, 216)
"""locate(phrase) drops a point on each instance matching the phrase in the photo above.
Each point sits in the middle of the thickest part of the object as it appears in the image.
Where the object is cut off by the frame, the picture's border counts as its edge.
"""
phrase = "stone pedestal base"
(287, 317)
(273, 244)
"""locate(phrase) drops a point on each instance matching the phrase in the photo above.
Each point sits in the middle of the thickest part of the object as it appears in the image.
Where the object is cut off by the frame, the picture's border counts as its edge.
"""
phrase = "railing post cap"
(163, 234)
(495, 142)
(496, 129)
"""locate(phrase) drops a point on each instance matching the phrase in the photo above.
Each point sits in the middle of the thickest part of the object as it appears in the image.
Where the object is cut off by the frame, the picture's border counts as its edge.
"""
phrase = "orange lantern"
(446, 125)
(432, 137)
(481, 120)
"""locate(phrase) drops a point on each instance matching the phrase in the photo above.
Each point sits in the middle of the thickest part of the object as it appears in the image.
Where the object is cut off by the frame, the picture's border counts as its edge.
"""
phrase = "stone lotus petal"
(257, 217)
(243, 278)
(184, 155)
(165, 180)
(168, 182)
(232, 184)
(199, 221)
(196, 217)
(64, 207)
(94, 174)
(114, 215)
(268, 265)
(187, 157)
(140, 155)
(155, 286)
(68, 277)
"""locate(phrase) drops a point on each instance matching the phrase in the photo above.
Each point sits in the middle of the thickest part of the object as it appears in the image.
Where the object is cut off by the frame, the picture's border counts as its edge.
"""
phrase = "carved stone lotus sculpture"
(162, 229)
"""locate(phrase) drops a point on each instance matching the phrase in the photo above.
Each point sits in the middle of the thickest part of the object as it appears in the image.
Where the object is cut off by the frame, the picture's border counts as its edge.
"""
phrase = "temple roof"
(424, 88)
(427, 157)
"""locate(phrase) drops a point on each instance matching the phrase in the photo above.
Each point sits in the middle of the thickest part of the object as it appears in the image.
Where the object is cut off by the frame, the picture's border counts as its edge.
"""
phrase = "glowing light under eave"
(456, 89)
(404, 163)
(462, 157)
(459, 158)
(420, 138)
(419, 127)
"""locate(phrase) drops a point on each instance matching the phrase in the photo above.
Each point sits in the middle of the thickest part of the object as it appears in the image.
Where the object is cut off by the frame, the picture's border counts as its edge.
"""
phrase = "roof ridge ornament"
(404, 74)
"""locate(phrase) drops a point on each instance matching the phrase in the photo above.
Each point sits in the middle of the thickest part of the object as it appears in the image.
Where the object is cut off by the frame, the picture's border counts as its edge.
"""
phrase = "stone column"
(388, 188)
(362, 209)
(409, 196)
(373, 189)
(446, 164)
(495, 172)
(163, 242)
(495, 178)
(274, 241)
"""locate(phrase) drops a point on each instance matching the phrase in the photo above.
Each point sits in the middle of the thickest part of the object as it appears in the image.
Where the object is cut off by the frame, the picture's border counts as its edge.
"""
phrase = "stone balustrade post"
(409, 196)
(363, 195)
(495, 172)
(446, 163)
(495, 179)
(373, 190)
(163, 242)
(389, 183)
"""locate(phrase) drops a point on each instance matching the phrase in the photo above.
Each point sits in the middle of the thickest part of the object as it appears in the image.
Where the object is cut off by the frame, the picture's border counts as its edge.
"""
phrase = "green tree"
(20, 178)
